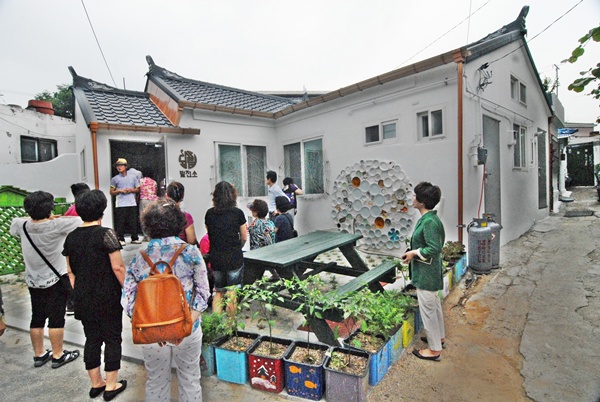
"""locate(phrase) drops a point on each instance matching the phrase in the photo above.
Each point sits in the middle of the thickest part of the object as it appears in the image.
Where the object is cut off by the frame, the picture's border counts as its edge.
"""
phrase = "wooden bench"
(368, 278)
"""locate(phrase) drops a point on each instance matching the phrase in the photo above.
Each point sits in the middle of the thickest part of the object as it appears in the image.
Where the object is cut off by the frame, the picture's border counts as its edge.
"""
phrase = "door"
(542, 171)
(491, 141)
(580, 164)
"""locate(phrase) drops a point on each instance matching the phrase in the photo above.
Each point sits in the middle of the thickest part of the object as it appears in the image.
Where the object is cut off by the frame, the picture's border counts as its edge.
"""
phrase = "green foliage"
(591, 75)
(62, 100)
(452, 250)
(385, 312)
(232, 318)
(264, 292)
(212, 326)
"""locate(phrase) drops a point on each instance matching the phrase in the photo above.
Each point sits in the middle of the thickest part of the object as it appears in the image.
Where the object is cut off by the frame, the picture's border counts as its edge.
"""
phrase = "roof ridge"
(92, 85)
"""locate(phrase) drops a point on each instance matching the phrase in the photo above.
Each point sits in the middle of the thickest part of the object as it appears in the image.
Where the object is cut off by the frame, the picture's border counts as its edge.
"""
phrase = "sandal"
(67, 357)
(39, 361)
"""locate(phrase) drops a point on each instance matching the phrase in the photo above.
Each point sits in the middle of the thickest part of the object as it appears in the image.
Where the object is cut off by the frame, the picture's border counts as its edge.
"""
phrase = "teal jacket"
(428, 236)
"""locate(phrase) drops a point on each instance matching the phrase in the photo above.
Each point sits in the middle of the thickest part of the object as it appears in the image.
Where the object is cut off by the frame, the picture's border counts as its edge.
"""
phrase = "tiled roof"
(104, 104)
(184, 89)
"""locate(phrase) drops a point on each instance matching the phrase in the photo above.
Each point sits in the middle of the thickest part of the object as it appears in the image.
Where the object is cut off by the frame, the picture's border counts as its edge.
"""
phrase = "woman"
(94, 261)
(175, 192)
(226, 226)
(148, 191)
(425, 257)
(292, 190)
(163, 221)
(262, 229)
(284, 222)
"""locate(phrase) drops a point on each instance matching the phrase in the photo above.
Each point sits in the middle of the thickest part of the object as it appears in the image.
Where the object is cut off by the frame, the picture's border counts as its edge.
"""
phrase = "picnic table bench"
(296, 258)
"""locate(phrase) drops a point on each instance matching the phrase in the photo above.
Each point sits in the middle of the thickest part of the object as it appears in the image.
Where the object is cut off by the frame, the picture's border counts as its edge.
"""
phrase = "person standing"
(226, 226)
(148, 192)
(262, 230)
(94, 261)
(48, 296)
(125, 187)
(274, 191)
(292, 190)
(163, 221)
(2, 316)
(175, 192)
(76, 189)
(284, 222)
(425, 258)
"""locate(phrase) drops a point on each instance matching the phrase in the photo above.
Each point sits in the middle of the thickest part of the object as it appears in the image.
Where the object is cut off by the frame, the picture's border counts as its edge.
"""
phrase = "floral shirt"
(148, 189)
(189, 268)
(262, 233)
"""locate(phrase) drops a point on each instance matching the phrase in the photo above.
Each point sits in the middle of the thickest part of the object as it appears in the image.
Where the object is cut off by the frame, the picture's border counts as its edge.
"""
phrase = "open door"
(491, 141)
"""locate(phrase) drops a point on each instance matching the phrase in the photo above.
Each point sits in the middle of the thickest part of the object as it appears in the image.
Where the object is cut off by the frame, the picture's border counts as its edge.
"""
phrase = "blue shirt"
(121, 182)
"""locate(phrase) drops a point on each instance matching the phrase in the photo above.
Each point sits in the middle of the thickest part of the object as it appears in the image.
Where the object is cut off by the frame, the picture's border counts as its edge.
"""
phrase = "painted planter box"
(341, 386)
(460, 268)
(380, 359)
(418, 320)
(408, 329)
(208, 365)
(267, 373)
(302, 379)
(395, 345)
(232, 365)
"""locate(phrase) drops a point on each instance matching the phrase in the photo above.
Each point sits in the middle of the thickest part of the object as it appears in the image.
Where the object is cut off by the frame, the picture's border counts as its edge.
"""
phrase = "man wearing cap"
(125, 187)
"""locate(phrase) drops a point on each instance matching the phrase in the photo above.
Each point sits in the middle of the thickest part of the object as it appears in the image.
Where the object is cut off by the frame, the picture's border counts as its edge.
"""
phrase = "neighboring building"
(432, 120)
(583, 153)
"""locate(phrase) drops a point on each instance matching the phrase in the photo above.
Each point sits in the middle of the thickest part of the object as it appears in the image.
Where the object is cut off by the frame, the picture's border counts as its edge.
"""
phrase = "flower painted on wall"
(394, 235)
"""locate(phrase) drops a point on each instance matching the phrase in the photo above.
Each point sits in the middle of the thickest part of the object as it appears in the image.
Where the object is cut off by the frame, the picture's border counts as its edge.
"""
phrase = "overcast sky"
(260, 45)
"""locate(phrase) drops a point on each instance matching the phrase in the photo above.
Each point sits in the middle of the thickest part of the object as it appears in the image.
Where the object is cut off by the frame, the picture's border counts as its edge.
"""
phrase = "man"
(274, 192)
(48, 295)
(125, 187)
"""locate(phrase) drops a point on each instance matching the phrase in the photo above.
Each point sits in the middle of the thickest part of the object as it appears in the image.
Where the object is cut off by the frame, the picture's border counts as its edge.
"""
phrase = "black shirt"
(224, 235)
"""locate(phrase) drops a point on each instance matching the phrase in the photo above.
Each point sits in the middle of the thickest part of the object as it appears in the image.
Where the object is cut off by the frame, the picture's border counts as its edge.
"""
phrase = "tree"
(62, 100)
(592, 75)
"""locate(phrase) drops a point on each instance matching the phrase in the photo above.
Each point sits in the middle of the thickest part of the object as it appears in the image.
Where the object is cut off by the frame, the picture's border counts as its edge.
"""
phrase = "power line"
(446, 33)
(98, 42)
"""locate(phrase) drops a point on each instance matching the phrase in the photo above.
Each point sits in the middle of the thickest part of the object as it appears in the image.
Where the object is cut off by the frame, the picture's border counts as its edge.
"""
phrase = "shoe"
(424, 339)
(95, 392)
(39, 361)
(136, 241)
(110, 395)
(70, 311)
(67, 357)
(420, 356)
(122, 243)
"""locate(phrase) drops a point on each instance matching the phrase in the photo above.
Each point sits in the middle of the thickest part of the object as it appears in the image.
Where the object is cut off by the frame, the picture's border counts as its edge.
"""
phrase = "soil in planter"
(276, 351)
(308, 356)
(370, 343)
(240, 343)
(355, 365)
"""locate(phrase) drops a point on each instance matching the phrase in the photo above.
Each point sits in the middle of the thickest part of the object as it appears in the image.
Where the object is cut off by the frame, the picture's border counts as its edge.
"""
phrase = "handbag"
(294, 231)
(64, 280)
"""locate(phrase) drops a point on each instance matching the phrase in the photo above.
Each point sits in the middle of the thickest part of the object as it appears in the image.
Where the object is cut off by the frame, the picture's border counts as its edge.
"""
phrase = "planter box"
(232, 365)
(395, 346)
(343, 386)
(418, 320)
(267, 373)
(302, 379)
(460, 268)
(380, 359)
(208, 365)
(408, 329)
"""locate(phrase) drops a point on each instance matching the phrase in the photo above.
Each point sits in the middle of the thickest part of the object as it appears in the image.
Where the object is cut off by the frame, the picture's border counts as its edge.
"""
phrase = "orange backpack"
(161, 312)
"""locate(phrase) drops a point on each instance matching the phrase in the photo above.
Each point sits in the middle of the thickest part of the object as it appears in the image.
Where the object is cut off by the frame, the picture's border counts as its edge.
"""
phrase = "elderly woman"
(163, 221)
(175, 193)
(425, 258)
(226, 226)
(94, 259)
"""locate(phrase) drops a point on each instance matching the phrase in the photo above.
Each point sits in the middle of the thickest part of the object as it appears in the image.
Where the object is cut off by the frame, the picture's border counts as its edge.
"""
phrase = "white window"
(430, 124)
(243, 166)
(518, 90)
(82, 164)
(389, 130)
(303, 162)
(380, 132)
(37, 150)
(519, 149)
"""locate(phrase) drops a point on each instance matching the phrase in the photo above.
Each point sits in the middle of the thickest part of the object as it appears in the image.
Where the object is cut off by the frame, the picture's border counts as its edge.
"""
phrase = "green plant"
(212, 326)
(232, 322)
(385, 312)
(452, 250)
(263, 292)
(354, 308)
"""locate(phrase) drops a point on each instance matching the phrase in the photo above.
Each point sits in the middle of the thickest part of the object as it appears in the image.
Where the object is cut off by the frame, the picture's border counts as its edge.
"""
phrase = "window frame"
(303, 169)
(518, 90)
(244, 191)
(430, 127)
(520, 147)
(380, 128)
(37, 142)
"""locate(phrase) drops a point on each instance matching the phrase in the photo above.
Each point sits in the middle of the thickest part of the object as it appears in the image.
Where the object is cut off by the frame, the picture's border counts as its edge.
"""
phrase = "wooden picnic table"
(296, 258)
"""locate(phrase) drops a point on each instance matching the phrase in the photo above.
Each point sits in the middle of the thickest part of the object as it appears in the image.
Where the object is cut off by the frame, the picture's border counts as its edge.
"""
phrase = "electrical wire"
(98, 42)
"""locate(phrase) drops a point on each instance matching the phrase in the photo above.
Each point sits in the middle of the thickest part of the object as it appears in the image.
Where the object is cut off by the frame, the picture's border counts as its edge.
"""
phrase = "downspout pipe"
(459, 59)
(94, 131)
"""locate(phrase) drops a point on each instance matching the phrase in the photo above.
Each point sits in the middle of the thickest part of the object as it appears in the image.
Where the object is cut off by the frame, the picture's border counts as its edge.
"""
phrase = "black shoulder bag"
(294, 231)
(64, 280)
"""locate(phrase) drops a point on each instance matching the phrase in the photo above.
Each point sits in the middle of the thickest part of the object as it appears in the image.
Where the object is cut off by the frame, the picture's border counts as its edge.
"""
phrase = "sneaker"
(70, 311)
(122, 242)
(136, 241)
(67, 357)
(39, 361)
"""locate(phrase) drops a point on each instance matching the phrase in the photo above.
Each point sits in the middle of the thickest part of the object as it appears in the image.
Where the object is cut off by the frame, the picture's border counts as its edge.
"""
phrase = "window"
(519, 149)
(244, 167)
(518, 90)
(37, 150)
(430, 124)
(388, 130)
(303, 162)
(372, 134)
(82, 164)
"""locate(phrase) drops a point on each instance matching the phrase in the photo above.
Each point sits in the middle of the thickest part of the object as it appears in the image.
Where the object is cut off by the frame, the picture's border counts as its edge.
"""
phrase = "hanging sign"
(187, 160)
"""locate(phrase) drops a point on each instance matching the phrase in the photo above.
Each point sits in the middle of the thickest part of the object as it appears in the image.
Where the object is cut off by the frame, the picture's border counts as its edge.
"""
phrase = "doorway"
(542, 171)
(492, 190)
(580, 164)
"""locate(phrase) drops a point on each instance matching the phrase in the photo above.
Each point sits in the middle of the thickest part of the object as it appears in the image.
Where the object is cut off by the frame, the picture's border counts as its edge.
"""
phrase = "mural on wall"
(187, 160)
(374, 198)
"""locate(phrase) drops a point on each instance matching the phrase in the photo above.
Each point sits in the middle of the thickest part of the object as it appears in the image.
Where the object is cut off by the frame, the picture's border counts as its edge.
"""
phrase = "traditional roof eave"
(225, 109)
(149, 129)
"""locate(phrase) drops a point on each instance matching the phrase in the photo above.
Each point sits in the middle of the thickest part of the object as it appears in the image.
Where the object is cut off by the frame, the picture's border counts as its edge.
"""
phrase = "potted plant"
(304, 373)
(452, 251)
(212, 330)
(265, 356)
(230, 350)
(403, 304)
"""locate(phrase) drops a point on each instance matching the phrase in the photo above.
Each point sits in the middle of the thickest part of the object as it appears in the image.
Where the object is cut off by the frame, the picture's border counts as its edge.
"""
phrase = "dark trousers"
(106, 330)
(126, 222)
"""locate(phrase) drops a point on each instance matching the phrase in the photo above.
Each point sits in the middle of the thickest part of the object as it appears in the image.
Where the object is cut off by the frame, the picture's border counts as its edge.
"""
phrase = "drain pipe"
(459, 59)
(94, 131)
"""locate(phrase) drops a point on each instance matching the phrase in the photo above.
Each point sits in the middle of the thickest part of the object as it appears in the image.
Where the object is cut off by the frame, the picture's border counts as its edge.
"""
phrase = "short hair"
(162, 218)
(271, 175)
(175, 191)
(39, 205)
(287, 181)
(148, 172)
(282, 203)
(78, 188)
(428, 194)
(260, 207)
(90, 205)
(224, 196)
